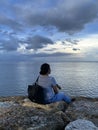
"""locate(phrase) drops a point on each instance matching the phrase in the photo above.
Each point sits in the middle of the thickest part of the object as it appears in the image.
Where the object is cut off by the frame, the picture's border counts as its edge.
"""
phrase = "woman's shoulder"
(48, 77)
(51, 78)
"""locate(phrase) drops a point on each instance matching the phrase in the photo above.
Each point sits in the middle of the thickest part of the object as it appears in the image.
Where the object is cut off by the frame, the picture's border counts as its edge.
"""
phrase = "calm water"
(76, 78)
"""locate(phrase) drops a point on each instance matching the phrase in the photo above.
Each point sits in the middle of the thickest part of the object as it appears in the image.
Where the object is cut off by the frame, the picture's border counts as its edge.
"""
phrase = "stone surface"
(81, 125)
(19, 113)
(84, 108)
(22, 114)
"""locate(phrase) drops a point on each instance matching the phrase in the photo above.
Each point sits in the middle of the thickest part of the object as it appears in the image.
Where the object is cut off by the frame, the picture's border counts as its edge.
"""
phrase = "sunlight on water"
(77, 78)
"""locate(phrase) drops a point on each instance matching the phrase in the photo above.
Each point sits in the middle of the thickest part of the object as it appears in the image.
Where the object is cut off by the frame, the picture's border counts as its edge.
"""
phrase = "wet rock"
(81, 125)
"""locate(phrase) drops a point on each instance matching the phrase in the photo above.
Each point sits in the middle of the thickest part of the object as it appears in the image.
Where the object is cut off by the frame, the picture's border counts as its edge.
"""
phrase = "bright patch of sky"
(59, 28)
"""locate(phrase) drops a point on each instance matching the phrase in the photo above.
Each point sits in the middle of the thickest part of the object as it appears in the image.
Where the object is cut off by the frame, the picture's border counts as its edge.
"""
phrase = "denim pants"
(60, 96)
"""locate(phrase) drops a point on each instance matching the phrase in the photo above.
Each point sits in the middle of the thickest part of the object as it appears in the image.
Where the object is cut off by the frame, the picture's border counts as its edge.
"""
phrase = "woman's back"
(47, 82)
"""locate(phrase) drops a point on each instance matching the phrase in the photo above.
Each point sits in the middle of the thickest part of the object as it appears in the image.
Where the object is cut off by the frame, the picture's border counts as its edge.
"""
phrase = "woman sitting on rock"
(50, 86)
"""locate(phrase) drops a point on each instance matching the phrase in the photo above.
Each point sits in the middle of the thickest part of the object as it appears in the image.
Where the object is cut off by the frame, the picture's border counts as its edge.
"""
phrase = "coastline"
(18, 112)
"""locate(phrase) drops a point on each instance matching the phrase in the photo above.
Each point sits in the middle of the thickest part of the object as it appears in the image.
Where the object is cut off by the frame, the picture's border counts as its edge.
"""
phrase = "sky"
(57, 30)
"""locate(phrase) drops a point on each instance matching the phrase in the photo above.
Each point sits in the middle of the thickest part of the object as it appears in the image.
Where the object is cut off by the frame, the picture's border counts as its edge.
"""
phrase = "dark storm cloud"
(66, 15)
(37, 42)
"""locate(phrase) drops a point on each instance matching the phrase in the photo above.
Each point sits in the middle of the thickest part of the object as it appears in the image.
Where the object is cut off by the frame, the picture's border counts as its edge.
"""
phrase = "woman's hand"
(59, 87)
(55, 89)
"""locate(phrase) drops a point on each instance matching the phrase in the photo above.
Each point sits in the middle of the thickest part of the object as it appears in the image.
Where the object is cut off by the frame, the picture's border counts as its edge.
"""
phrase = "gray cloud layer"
(65, 15)
(34, 42)
(9, 45)
(68, 16)
(37, 42)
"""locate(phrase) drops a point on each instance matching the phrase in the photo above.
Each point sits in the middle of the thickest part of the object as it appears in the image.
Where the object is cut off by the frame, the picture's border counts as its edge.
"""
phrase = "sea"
(75, 78)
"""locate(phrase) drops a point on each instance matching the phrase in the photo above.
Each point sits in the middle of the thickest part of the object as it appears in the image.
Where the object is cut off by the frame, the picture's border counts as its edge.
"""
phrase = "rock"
(81, 125)
(19, 113)
(84, 108)
(53, 107)
(5, 106)
(22, 114)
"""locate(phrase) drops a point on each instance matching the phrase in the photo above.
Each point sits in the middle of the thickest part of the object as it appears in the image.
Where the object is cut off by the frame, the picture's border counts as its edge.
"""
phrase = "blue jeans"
(60, 96)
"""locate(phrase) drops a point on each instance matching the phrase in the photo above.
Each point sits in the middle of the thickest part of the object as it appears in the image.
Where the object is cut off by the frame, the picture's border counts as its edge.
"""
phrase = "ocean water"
(75, 78)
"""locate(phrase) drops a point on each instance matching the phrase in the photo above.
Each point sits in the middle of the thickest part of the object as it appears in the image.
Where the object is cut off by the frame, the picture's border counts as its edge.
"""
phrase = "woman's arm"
(55, 88)
(59, 87)
(55, 85)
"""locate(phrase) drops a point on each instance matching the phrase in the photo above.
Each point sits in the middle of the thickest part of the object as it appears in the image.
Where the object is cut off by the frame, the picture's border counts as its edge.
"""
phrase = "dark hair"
(44, 69)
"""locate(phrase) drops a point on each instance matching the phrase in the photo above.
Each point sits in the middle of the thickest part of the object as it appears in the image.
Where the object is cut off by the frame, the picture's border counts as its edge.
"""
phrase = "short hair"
(44, 68)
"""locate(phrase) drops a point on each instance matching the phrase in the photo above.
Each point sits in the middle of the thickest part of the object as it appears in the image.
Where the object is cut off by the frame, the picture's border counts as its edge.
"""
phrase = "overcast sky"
(54, 29)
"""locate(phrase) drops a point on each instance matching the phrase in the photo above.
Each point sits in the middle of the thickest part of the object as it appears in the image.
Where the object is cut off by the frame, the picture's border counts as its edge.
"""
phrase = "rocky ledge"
(19, 113)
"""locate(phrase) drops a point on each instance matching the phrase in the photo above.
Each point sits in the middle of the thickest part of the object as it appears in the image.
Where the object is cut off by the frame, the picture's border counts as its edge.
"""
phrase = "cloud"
(29, 57)
(50, 55)
(9, 44)
(35, 26)
(72, 41)
(10, 23)
(66, 15)
(75, 49)
(37, 42)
